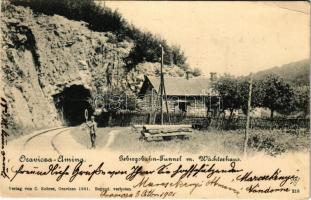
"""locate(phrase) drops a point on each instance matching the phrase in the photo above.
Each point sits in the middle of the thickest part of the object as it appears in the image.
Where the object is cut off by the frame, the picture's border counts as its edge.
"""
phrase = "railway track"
(44, 140)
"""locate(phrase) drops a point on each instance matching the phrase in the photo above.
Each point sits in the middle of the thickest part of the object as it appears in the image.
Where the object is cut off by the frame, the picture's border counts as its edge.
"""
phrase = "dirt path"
(111, 138)
(65, 143)
(54, 142)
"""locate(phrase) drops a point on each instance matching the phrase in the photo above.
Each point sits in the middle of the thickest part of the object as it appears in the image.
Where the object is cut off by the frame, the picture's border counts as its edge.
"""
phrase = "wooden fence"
(221, 123)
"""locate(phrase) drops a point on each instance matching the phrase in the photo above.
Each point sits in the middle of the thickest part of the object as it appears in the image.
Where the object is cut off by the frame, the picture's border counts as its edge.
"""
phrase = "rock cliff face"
(43, 55)
(47, 60)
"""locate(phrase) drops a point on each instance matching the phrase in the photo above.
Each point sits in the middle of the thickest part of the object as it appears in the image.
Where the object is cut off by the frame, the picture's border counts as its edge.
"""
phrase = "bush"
(197, 72)
(266, 144)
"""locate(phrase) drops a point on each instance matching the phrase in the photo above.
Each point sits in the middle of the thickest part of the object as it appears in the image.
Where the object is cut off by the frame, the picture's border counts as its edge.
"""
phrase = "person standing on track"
(92, 125)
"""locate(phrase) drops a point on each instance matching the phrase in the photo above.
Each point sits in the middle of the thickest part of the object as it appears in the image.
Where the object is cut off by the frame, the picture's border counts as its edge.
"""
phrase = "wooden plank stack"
(165, 132)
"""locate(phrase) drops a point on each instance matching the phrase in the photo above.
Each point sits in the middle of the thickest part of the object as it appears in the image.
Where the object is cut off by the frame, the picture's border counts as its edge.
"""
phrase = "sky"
(226, 37)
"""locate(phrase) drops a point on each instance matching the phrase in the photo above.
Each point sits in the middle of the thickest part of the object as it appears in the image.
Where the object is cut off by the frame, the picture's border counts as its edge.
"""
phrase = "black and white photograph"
(155, 99)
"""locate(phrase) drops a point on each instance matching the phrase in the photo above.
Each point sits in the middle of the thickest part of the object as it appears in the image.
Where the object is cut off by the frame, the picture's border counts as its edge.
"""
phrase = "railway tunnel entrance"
(71, 104)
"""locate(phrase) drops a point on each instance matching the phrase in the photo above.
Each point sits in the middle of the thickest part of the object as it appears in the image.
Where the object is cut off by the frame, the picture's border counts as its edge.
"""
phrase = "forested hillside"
(54, 49)
(296, 73)
(284, 89)
(104, 19)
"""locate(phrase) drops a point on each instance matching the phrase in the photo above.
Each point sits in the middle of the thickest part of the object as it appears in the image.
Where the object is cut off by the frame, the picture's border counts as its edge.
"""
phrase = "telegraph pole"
(248, 114)
(161, 84)
(162, 90)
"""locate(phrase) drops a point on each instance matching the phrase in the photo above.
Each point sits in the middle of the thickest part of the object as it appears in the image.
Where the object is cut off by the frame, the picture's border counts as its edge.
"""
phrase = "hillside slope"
(44, 55)
(296, 73)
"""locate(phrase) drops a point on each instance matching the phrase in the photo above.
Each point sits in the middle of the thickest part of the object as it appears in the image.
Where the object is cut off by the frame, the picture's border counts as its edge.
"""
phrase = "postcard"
(155, 99)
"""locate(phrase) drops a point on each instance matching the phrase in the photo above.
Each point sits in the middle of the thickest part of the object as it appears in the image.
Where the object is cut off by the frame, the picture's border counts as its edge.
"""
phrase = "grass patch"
(210, 142)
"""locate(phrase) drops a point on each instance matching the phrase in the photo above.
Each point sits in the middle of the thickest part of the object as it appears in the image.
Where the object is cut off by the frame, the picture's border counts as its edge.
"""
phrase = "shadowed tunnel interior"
(71, 104)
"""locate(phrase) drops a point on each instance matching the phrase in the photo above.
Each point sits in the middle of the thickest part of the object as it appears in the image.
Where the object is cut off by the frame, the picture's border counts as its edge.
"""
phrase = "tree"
(277, 94)
(177, 55)
(227, 87)
(301, 101)
(115, 99)
(197, 72)
(257, 93)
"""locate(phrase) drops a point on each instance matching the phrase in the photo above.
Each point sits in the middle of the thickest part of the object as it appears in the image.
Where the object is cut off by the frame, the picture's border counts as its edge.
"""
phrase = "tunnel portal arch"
(71, 104)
